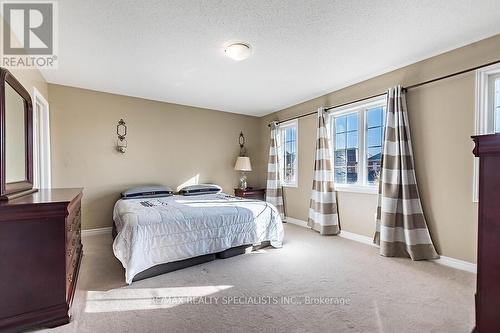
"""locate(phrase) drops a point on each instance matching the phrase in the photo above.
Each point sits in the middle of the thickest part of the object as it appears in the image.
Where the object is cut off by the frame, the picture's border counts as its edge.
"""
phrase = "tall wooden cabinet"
(488, 261)
(40, 253)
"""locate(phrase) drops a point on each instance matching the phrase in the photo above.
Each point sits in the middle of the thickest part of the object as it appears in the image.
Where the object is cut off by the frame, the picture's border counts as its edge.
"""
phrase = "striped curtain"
(401, 229)
(274, 191)
(323, 205)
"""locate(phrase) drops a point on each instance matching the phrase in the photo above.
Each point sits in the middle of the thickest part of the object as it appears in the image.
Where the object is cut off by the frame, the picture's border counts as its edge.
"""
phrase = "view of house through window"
(289, 149)
(357, 137)
(375, 119)
(346, 154)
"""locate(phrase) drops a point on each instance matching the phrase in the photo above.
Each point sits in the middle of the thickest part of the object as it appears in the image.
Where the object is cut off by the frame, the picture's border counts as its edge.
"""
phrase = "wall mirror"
(16, 134)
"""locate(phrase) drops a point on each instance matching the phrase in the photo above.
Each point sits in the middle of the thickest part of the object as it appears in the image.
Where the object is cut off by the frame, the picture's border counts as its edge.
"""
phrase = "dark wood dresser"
(488, 260)
(251, 193)
(40, 254)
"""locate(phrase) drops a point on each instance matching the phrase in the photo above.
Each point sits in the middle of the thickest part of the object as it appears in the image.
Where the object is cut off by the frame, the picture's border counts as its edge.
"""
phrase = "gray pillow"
(200, 189)
(154, 191)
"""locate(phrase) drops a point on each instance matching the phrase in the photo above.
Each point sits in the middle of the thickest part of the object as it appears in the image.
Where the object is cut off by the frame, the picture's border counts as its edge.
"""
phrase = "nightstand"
(251, 193)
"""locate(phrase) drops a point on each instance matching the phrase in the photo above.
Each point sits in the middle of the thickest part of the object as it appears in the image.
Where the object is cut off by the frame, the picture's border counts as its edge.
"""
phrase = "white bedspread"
(161, 230)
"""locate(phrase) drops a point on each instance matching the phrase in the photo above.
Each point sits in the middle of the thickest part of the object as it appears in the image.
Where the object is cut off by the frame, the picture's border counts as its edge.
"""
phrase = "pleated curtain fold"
(274, 190)
(401, 228)
(323, 215)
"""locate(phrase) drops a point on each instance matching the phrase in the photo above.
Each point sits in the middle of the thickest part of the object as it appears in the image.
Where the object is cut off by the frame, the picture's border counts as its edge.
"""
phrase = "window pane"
(352, 139)
(497, 120)
(374, 153)
(374, 117)
(290, 134)
(352, 175)
(289, 154)
(340, 141)
(374, 137)
(352, 156)
(374, 171)
(352, 122)
(340, 124)
(340, 159)
(341, 175)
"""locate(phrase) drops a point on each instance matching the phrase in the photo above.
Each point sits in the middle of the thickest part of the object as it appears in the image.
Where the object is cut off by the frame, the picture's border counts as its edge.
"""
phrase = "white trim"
(358, 238)
(484, 120)
(97, 231)
(443, 260)
(457, 263)
(368, 189)
(41, 141)
(298, 222)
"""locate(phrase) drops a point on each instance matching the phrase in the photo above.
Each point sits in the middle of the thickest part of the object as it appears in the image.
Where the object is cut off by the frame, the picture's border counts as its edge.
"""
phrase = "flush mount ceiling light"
(238, 51)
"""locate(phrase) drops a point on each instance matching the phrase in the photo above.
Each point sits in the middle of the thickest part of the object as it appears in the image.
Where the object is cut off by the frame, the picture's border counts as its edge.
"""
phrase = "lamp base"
(243, 181)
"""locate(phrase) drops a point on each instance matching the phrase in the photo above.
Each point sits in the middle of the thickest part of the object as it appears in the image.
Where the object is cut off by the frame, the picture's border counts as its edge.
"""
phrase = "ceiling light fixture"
(238, 51)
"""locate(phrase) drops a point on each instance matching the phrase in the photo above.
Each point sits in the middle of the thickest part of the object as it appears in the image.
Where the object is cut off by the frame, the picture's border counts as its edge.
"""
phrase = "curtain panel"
(401, 228)
(274, 190)
(323, 215)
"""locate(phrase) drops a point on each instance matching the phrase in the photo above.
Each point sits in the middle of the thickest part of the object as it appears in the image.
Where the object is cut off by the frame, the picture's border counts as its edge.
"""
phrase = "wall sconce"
(121, 131)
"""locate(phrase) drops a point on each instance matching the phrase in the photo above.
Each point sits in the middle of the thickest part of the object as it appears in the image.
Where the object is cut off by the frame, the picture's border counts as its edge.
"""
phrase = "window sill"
(289, 185)
(357, 189)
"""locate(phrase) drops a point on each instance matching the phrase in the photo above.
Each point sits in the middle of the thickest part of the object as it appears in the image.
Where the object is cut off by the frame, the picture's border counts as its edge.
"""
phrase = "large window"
(289, 158)
(487, 110)
(357, 135)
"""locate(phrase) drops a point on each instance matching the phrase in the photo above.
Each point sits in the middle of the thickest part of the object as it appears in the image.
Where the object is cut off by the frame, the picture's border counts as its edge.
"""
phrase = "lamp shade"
(243, 164)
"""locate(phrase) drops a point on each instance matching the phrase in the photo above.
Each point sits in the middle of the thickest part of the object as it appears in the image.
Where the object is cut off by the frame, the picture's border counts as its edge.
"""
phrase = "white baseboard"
(298, 222)
(98, 231)
(357, 237)
(457, 263)
(443, 260)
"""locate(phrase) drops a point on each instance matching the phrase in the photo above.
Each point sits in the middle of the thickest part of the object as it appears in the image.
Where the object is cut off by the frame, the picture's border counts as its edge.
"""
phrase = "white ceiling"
(173, 50)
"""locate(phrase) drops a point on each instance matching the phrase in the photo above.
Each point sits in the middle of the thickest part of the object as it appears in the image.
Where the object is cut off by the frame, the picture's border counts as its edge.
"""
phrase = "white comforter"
(161, 230)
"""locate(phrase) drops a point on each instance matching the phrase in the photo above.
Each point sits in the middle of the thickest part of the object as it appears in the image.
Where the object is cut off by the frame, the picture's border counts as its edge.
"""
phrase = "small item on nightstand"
(251, 193)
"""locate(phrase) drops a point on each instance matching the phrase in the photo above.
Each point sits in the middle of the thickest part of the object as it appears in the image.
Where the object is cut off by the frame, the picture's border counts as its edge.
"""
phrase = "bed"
(157, 235)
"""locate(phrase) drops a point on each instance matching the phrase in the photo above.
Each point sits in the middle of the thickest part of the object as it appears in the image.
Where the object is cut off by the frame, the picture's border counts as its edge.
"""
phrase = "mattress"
(161, 230)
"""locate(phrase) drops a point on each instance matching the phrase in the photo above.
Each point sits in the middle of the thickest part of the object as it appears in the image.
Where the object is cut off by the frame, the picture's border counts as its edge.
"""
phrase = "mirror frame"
(16, 188)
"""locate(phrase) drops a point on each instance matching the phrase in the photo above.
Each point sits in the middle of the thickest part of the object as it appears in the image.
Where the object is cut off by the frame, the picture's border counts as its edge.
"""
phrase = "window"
(497, 105)
(357, 137)
(487, 110)
(289, 159)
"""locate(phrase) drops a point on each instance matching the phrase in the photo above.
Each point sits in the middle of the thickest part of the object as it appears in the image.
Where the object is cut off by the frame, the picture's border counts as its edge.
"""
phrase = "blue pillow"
(147, 192)
(200, 189)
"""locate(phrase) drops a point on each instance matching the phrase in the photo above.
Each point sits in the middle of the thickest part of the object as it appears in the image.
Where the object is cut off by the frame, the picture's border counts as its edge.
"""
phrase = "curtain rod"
(405, 89)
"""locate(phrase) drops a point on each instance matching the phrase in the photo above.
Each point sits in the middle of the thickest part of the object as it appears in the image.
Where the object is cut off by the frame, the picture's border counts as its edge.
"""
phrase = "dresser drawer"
(74, 214)
(72, 272)
(72, 247)
(258, 194)
(73, 227)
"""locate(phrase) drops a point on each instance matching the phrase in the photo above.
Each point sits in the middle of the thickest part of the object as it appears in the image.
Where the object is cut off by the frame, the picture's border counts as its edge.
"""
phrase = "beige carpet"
(382, 294)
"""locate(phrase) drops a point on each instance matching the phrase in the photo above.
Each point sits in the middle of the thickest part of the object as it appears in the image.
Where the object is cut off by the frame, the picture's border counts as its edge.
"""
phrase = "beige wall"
(31, 78)
(167, 144)
(442, 121)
